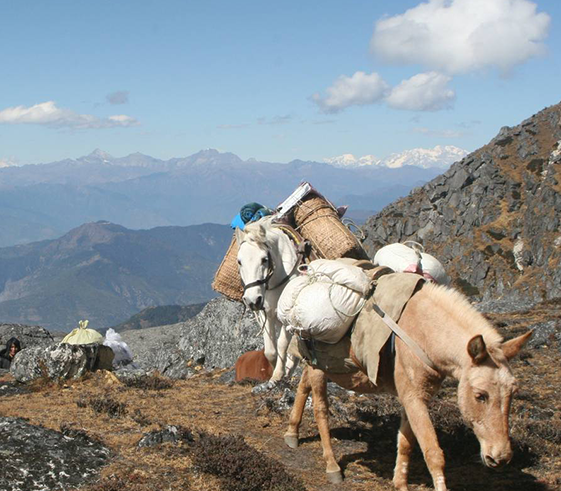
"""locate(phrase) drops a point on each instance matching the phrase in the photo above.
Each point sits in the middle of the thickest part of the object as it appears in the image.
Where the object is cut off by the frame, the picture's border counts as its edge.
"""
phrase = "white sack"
(433, 269)
(398, 257)
(323, 302)
(402, 258)
(123, 354)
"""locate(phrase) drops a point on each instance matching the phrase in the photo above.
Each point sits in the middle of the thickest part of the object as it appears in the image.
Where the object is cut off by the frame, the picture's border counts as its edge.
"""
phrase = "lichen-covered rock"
(28, 336)
(34, 458)
(56, 361)
(169, 434)
(219, 334)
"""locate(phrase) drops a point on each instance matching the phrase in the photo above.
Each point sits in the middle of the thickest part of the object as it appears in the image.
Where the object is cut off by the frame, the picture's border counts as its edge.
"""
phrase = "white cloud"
(47, 113)
(359, 90)
(118, 97)
(422, 92)
(438, 133)
(232, 126)
(460, 36)
(275, 120)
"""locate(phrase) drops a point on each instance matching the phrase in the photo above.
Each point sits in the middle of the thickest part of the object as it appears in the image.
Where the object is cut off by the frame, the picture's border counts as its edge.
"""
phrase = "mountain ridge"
(105, 272)
(39, 202)
(493, 218)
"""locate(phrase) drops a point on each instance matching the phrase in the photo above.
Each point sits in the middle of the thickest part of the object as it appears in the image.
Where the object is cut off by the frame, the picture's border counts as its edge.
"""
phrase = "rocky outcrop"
(34, 458)
(220, 334)
(215, 338)
(493, 218)
(54, 362)
(28, 335)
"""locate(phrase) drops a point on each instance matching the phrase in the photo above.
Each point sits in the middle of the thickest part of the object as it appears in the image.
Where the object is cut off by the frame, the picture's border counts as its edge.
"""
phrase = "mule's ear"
(477, 349)
(239, 234)
(513, 346)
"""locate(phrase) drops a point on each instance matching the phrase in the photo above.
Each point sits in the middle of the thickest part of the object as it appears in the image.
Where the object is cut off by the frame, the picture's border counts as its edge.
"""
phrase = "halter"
(271, 271)
(268, 276)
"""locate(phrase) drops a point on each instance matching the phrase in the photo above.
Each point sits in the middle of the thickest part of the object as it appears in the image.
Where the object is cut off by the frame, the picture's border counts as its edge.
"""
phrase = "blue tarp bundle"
(250, 213)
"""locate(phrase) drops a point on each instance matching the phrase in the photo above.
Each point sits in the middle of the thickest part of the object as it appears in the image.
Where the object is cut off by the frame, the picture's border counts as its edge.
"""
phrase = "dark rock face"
(493, 218)
(545, 333)
(56, 361)
(28, 335)
(36, 458)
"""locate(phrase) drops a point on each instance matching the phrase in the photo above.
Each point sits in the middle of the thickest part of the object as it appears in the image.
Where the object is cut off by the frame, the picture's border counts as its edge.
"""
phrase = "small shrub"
(149, 382)
(105, 404)
(239, 466)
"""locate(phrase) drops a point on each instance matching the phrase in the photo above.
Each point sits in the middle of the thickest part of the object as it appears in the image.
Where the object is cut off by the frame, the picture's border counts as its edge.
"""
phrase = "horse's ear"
(261, 232)
(477, 349)
(513, 346)
(239, 234)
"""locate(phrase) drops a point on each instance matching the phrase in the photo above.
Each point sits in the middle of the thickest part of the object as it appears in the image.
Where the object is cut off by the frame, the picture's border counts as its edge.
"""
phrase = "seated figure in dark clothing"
(7, 355)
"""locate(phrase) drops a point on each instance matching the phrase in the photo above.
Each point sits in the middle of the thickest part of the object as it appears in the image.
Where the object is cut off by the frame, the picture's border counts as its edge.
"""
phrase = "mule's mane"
(458, 307)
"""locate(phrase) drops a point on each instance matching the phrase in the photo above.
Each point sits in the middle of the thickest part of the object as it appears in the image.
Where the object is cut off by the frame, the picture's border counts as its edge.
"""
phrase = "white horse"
(267, 260)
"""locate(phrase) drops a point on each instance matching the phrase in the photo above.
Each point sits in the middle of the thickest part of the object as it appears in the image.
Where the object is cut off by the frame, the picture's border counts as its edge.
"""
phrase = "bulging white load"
(323, 302)
(404, 259)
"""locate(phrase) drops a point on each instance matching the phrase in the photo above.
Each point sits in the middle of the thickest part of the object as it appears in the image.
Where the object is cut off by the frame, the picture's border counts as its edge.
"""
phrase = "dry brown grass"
(364, 429)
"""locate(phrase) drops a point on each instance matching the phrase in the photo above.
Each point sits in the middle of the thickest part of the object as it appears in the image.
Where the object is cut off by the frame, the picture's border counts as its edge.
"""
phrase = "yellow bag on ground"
(82, 335)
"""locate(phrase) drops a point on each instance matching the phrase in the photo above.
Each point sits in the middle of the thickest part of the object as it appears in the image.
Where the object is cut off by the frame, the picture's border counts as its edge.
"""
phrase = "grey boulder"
(54, 362)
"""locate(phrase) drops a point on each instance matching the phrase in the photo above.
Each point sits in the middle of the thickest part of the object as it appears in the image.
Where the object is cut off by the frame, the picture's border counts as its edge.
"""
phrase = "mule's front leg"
(418, 416)
(318, 381)
(304, 389)
(405, 443)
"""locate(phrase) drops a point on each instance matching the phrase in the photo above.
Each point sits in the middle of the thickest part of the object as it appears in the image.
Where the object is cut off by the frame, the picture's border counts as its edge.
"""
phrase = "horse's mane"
(256, 232)
(458, 306)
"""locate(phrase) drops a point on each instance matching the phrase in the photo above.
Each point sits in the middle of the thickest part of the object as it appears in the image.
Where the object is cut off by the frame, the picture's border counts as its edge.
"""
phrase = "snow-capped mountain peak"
(349, 160)
(440, 157)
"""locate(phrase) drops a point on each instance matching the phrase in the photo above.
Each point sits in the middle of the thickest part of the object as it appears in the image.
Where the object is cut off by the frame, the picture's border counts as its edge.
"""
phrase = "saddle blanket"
(365, 340)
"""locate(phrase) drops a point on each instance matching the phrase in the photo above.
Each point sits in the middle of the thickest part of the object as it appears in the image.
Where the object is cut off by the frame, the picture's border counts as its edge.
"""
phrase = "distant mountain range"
(45, 201)
(439, 157)
(105, 273)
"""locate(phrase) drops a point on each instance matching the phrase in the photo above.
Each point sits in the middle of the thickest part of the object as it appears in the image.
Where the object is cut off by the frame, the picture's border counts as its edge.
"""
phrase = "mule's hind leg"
(304, 389)
(318, 381)
(405, 442)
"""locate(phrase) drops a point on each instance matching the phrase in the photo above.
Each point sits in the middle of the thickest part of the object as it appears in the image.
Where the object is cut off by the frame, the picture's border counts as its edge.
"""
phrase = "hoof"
(335, 477)
(291, 441)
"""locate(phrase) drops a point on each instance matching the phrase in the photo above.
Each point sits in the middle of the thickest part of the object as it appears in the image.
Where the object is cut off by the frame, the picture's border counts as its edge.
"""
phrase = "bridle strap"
(264, 281)
(301, 253)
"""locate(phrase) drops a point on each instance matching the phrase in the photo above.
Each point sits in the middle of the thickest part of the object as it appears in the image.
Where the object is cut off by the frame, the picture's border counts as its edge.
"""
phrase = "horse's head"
(254, 263)
(485, 392)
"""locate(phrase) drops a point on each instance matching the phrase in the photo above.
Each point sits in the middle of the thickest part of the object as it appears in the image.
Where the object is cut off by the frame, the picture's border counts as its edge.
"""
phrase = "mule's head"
(254, 264)
(485, 392)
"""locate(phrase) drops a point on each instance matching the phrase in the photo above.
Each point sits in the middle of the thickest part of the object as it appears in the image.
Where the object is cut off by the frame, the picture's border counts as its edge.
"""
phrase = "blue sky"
(275, 81)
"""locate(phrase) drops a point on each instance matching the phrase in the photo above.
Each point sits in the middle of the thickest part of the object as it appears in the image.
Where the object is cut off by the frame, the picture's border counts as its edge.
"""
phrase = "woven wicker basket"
(319, 222)
(227, 279)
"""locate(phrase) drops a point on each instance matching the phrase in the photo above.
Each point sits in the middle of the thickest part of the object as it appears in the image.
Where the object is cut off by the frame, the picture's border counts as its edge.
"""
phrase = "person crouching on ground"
(7, 355)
